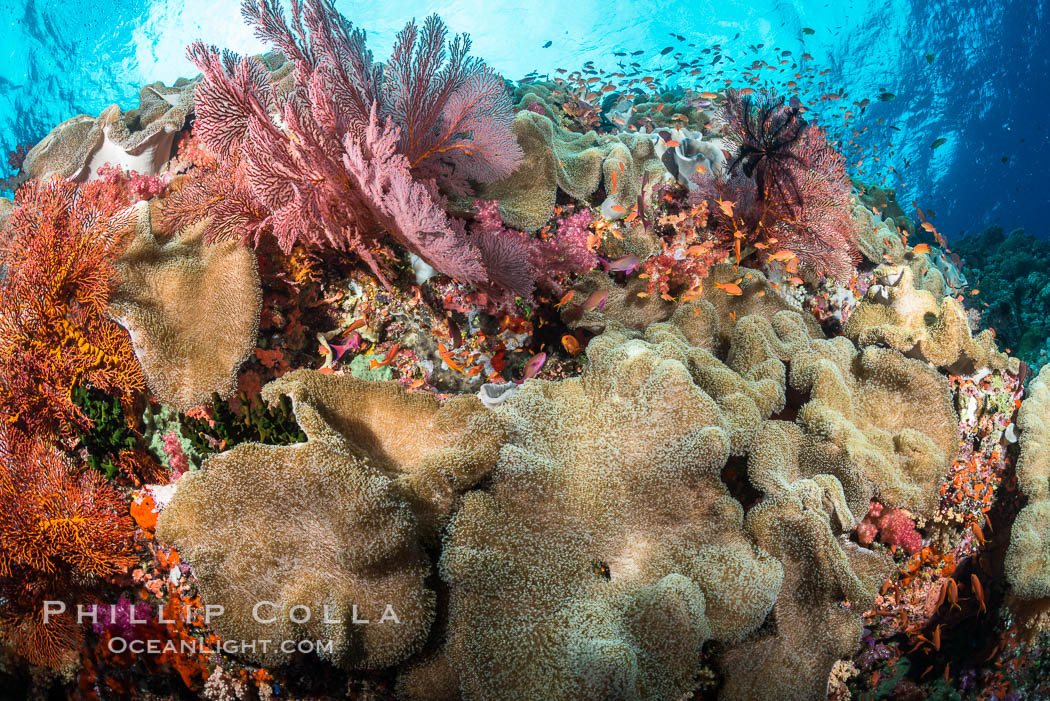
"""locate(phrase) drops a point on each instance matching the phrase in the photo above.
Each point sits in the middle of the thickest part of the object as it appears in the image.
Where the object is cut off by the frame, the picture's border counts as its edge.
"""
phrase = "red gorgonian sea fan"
(789, 185)
(351, 151)
(821, 231)
(59, 534)
(55, 333)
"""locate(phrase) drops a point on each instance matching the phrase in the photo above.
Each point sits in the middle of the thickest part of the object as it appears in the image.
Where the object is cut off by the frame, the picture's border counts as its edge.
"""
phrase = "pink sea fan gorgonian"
(350, 151)
(455, 115)
(821, 232)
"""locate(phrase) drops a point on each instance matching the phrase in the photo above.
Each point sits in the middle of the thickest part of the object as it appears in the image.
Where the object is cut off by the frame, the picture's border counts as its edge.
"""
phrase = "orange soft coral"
(54, 331)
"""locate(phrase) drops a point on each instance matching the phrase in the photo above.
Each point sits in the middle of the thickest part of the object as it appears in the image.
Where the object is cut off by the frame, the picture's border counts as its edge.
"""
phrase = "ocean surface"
(972, 73)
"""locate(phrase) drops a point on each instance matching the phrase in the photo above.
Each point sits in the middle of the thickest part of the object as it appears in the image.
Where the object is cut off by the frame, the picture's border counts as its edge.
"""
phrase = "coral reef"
(1011, 289)
(59, 247)
(59, 533)
(354, 147)
(438, 385)
(598, 571)
(377, 472)
(77, 148)
(577, 164)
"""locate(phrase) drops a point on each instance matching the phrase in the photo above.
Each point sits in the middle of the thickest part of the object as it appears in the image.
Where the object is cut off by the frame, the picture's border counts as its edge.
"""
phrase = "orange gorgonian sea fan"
(58, 535)
(60, 244)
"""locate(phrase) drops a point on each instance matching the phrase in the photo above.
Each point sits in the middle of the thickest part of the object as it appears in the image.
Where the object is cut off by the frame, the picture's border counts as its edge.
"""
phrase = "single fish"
(921, 248)
(939, 142)
(547, 45)
(729, 288)
(666, 51)
(805, 30)
(566, 298)
(571, 344)
(352, 343)
(596, 300)
(624, 264)
(534, 365)
(887, 97)
(386, 361)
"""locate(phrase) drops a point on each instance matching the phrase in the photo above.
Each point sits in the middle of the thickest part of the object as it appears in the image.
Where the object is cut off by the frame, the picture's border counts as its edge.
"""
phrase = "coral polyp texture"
(376, 473)
(1028, 558)
(565, 560)
(914, 321)
(191, 309)
(328, 375)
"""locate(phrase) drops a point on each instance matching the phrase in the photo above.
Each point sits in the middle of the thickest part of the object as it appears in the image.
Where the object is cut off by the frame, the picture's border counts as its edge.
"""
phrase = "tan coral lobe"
(192, 309)
(338, 521)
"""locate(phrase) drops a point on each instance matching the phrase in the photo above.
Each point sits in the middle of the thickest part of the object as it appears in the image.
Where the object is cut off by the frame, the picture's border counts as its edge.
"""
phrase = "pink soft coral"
(894, 527)
(536, 262)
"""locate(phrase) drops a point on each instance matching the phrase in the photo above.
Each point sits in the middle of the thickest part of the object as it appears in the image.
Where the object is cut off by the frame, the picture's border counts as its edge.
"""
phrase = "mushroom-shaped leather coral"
(77, 147)
(605, 549)
(882, 424)
(791, 657)
(920, 325)
(192, 310)
(1028, 558)
(576, 163)
(330, 525)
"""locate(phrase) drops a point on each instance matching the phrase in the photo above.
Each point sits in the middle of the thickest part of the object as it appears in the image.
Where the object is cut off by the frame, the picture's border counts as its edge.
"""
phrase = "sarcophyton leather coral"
(882, 424)
(377, 472)
(139, 140)
(1028, 558)
(59, 250)
(192, 310)
(917, 323)
(577, 164)
(605, 548)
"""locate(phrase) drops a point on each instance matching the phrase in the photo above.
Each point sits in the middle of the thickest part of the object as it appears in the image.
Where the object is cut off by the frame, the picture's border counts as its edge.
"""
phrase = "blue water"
(986, 89)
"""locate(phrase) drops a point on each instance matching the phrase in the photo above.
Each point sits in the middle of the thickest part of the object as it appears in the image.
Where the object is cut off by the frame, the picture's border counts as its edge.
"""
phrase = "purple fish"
(624, 264)
(352, 344)
(534, 365)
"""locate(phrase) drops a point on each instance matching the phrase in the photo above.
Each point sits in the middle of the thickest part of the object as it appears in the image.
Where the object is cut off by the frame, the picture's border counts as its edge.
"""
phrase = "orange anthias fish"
(978, 591)
(921, 248)
(596, 300)
(566, 298)
(386, 361)
(571, 344)
(446, 356)
(729, 288)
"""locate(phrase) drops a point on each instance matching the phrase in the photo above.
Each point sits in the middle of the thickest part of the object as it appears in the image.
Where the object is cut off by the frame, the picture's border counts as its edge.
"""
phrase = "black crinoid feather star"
(766, 132)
